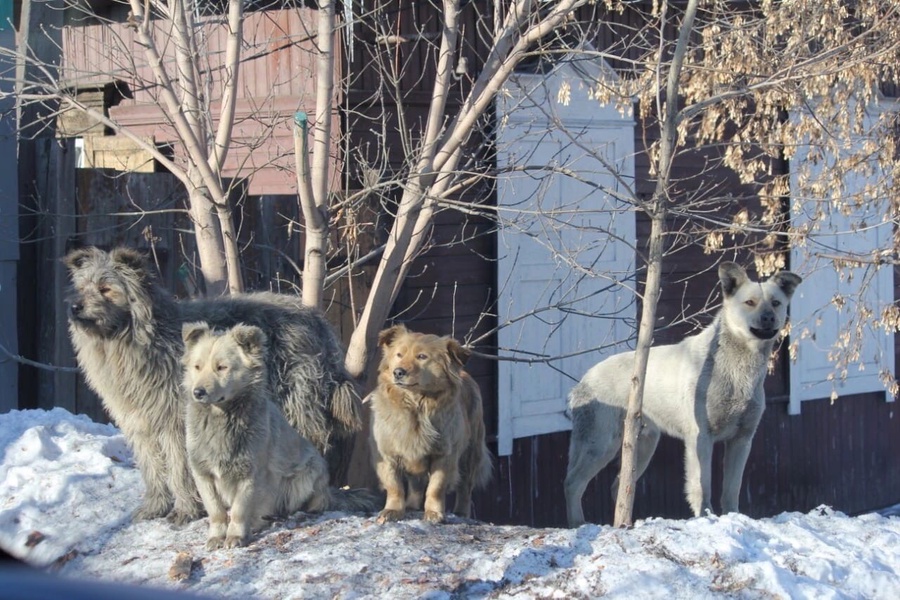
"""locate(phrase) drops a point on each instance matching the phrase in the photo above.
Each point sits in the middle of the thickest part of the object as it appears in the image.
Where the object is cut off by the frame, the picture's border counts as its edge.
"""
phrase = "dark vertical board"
(51, 198)
(64, 383)
(39, 29)
(9, 230)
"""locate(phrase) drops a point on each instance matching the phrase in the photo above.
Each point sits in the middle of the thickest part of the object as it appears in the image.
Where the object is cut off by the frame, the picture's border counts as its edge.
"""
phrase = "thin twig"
(31, 363)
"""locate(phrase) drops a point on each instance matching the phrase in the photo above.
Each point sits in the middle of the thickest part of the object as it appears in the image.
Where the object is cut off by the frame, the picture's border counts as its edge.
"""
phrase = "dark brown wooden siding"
(841, 455)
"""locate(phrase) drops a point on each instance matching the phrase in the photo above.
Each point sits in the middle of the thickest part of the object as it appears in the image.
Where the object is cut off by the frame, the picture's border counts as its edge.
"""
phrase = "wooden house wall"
(276, 79)
(838, 454)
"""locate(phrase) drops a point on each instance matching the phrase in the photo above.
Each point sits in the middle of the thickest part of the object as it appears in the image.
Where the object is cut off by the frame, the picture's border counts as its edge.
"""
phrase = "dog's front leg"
(187, 506)
(443, 475)
(151, 461)
(243, 514)
(737, 450)
(215, 508)
(697, 467)
(391, 478)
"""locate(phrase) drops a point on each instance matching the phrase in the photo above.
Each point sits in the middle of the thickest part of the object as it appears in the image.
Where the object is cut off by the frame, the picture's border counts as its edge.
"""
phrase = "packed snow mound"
(69, 486)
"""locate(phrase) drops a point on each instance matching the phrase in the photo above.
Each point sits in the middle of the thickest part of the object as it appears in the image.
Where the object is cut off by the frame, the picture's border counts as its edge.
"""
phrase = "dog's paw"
(180, 518)
(433, 516)
(214, 543)
(148, 512)
(390, 516)
(235, 541)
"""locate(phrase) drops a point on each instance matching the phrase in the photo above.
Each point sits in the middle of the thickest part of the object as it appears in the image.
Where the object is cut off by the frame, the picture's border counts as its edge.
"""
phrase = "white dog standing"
(705, 389)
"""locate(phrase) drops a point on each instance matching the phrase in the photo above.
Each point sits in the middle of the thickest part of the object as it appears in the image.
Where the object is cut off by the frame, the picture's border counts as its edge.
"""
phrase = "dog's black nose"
(767, 320)
(399, 373)
(199, 393)
(75, 308)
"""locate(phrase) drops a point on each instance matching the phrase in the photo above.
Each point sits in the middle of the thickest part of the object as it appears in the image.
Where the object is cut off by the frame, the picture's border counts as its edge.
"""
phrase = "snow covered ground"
(68, 485)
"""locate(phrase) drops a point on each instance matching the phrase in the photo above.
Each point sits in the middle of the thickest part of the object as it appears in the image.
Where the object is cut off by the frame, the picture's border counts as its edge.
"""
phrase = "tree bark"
(312, 184)
(208, 235)
(314, 221)
(634, 413)
(669, 119)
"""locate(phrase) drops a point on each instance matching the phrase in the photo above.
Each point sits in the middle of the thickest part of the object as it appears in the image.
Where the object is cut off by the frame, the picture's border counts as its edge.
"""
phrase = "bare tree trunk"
(668, 144)
(634, 414)
(208, 235)
(315, 222)
(182, 101)
(312, 184)
(229, 85)
(229, 242)
(440, 154)
(395, 261)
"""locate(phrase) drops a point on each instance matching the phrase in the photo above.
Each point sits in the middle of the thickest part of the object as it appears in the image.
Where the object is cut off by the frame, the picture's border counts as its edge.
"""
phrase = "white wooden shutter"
(824, 308)
(562, 231)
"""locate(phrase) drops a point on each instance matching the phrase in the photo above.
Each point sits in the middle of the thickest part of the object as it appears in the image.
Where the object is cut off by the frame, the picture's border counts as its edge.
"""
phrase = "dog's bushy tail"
(346, 408)
(354, 500)
(484, 468)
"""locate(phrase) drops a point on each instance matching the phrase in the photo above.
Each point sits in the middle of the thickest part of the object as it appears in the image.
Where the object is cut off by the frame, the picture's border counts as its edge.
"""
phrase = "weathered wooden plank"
(63, 202)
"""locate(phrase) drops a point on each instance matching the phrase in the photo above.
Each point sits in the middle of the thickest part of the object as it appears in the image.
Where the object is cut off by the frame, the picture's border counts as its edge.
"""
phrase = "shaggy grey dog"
(242, 452)
(126, 331)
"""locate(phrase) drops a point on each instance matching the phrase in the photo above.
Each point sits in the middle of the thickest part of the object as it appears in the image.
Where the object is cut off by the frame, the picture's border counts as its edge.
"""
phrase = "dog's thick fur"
(705, 389)
(427, 424)
(242, 452)
(126, 331)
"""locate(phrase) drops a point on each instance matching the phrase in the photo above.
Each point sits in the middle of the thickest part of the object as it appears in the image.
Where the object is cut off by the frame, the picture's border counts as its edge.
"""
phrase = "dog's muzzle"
(764, 334)
(400, 376)
(77, 317)
(75, 309)
(76, 312)
(201, 395)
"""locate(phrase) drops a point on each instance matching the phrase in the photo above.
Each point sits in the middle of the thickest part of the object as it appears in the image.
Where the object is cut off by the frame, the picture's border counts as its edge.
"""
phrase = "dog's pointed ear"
(251, 339)
(787, 281)
(386, 336)
(76, 259)
(130, 258)
(457, 352)
(191, 332)
(732, 277)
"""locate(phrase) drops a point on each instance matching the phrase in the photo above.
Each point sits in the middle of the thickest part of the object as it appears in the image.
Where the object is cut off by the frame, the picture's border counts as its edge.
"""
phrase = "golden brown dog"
(426, 425)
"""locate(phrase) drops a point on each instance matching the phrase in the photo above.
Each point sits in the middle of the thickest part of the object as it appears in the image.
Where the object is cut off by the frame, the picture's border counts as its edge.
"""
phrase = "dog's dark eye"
(196, 367)
(105, 289)
(421, 356)
(750, 302)
(776, 303)
(221, 368)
